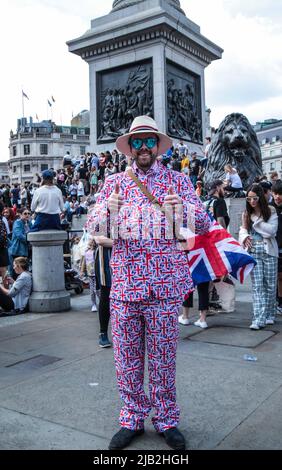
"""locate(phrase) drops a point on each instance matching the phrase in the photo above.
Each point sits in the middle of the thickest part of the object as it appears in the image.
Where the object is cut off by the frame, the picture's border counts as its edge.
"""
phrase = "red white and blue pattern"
(155, 324)
(216, 254)
(145, 262)
(150, 278)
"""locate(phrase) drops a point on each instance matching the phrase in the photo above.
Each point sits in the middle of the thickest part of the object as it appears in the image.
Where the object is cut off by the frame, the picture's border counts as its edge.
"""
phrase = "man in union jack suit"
(150, 277)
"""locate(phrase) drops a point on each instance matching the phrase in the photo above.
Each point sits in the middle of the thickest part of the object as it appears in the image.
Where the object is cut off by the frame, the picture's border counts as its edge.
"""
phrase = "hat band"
(143, 129)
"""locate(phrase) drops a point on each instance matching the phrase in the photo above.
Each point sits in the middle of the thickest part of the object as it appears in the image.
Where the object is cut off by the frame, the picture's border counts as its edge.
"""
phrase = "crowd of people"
(141, 284)
(79, 182)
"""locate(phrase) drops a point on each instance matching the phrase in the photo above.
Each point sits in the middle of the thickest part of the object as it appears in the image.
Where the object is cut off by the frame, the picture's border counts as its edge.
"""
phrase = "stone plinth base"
(48, 302)
(235, 207)
(49, 294)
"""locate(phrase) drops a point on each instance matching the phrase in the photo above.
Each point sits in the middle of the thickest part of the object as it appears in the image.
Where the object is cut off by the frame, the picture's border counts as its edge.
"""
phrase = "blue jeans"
(46, 222)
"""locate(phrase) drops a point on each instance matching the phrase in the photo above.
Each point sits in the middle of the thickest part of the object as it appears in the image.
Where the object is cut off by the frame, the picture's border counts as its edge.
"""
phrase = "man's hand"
(172, 199)
(116, 200)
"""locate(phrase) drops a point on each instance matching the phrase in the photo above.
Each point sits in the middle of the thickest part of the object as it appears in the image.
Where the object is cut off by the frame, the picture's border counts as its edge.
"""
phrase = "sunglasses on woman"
(252, 198)
(137, 143)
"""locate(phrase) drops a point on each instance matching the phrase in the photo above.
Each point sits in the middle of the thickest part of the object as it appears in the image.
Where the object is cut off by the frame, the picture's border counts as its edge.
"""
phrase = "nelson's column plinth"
(146, 57)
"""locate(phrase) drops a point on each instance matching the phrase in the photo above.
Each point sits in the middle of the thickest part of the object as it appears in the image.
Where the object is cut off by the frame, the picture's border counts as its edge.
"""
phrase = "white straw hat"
(141, 125)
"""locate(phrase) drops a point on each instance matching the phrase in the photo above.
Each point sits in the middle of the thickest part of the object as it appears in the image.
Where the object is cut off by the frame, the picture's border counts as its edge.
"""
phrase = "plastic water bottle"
(248, 357)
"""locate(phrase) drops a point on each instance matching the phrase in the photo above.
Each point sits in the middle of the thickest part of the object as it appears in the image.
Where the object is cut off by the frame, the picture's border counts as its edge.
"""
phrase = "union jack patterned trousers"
(151, 325)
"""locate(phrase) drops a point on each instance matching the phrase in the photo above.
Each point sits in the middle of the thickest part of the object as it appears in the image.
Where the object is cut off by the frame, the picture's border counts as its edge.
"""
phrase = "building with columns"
(36, 147)
(269, 135)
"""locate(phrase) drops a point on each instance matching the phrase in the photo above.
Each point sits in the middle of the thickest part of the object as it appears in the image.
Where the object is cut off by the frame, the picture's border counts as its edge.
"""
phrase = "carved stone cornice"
(157, 33)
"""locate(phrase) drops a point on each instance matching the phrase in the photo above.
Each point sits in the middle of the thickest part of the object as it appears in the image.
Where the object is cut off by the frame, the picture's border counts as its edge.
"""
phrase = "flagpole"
(23, 103)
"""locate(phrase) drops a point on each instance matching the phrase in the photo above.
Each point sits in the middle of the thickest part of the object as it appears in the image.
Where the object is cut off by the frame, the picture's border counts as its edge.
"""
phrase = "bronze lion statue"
(234, 143)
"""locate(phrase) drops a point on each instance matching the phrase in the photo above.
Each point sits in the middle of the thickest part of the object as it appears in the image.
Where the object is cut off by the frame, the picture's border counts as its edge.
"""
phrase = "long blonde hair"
(229, 168)
(22, 262)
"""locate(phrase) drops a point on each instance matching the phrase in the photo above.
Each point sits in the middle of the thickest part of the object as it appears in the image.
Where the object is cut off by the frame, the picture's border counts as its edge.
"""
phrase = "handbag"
(226, 291)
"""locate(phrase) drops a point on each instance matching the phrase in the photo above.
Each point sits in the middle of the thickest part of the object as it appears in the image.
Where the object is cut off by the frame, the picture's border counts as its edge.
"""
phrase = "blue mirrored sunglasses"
(137, 143)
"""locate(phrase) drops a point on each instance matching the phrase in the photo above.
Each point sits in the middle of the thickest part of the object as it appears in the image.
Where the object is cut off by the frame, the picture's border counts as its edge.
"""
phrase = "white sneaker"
(201, 324)
(254, 326)
(183, 321)
(94, 308)
(279, 310)
(269, 322)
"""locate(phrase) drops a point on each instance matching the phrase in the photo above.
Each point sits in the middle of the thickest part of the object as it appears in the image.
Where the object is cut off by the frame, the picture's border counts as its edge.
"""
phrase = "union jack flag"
(216, 254)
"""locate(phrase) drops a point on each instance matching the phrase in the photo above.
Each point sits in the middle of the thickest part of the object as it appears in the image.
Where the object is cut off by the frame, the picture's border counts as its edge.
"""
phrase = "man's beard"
(145, 162)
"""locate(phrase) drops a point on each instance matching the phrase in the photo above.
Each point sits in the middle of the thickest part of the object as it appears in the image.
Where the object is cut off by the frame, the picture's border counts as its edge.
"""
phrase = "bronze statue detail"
(120, 105)
(234, 143)
(183, 110)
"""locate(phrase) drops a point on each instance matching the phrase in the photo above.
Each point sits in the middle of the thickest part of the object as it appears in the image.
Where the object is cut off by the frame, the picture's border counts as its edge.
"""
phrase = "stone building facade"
(269, 135)
(36, 147)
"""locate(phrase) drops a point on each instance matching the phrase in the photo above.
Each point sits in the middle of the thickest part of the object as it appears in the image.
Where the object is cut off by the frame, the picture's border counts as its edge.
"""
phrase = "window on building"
(272, 166)
(43, 149)
(44, 166)
(14, 169)
(26, 149)
(82, 150)
(81, 131)
(14, 150)
(26, 168)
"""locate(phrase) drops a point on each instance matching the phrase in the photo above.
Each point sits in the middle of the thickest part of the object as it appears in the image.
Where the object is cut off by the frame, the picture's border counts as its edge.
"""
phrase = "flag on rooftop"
(49, 102)
(25, 95)
(53, 99)
(37, 117)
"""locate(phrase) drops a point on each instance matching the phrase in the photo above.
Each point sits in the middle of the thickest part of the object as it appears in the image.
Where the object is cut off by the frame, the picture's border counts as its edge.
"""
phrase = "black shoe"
(174, 439)
(123, 438)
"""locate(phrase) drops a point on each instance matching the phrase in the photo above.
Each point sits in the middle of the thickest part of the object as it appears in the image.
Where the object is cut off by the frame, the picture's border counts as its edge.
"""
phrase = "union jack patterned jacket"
(147, 260)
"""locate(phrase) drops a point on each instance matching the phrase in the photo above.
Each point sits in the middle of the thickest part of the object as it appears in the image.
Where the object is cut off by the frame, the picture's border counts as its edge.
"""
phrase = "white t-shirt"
(234, 180)
(183, 149)
(207, 149)
(80, 189)
(48, 200)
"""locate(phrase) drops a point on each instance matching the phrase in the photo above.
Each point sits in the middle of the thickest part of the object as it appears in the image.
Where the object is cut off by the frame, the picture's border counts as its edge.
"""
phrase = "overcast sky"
(34, 56)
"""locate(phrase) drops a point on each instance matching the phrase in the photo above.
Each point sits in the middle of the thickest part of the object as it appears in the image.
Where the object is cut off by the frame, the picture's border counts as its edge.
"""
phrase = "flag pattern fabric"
(216, 254)
(25, 95)
(131, 321)
(145, 262)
